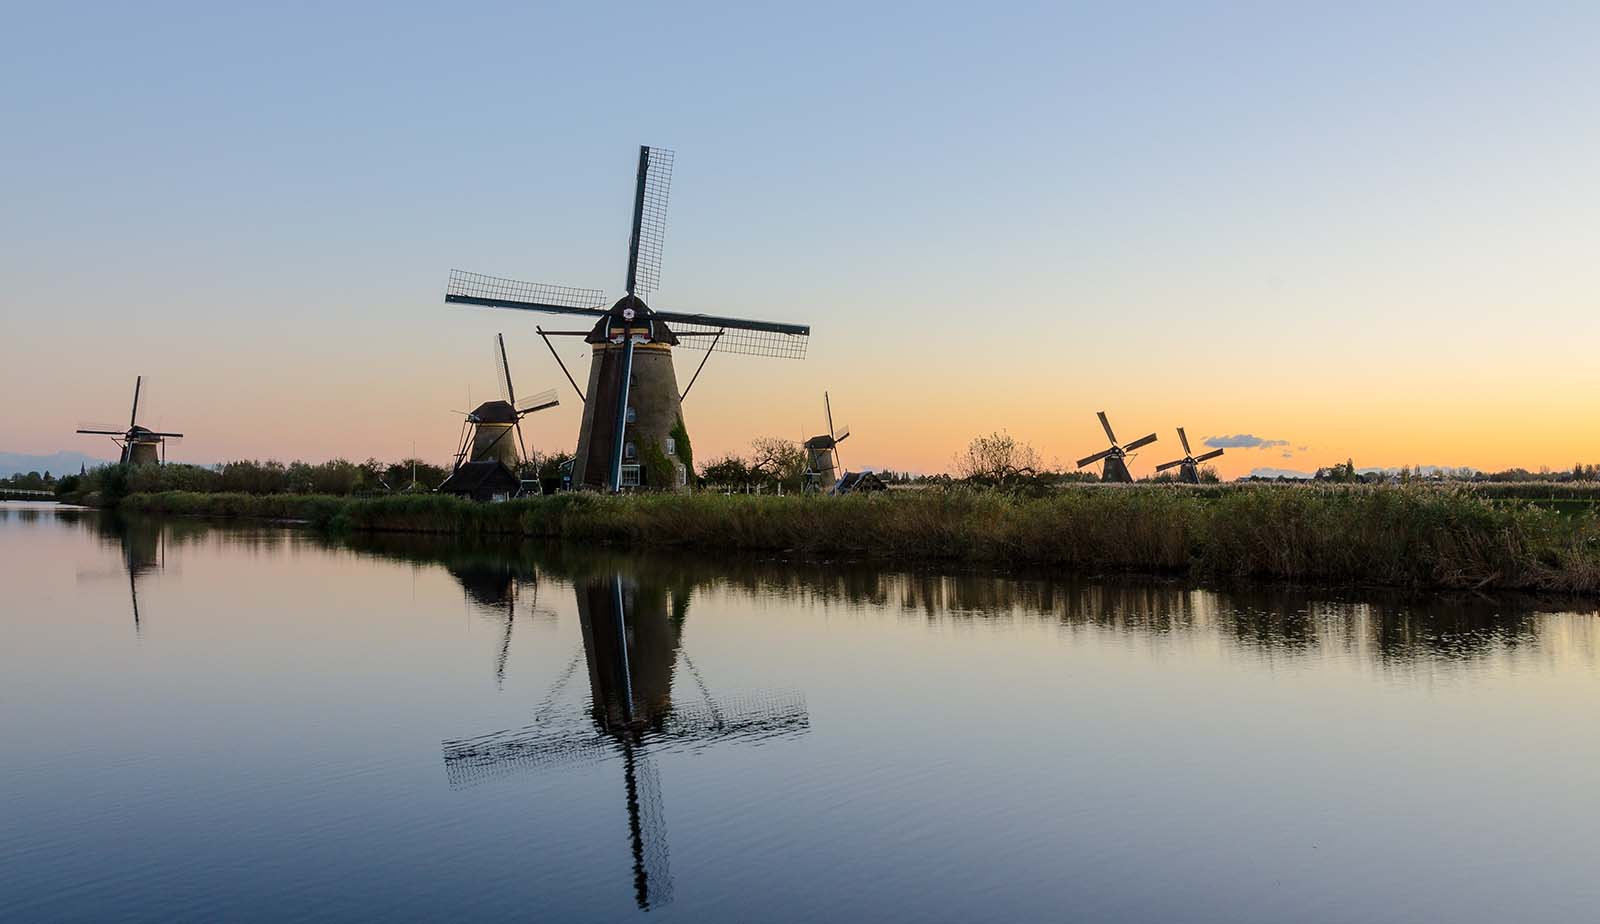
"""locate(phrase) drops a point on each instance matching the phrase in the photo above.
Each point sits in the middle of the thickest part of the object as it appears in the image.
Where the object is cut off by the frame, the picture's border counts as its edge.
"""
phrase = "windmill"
(1116, 469)
(633, 413)
(631, 641)
(139, 445)
(1190, 470)
(822, 453)
(486, 432)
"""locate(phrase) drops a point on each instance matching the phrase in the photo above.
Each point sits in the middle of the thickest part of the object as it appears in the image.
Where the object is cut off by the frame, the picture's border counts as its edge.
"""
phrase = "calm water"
(203, 723)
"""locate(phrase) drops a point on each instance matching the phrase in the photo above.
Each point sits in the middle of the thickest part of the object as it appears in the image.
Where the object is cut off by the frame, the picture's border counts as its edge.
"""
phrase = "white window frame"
(630, 451)
(630, 476)
(633, 415)
(672, 446)
(683, 475)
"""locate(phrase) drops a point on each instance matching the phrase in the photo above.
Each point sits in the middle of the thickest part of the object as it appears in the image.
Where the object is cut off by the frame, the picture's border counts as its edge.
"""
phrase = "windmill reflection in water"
(142, 546)
(631, 643)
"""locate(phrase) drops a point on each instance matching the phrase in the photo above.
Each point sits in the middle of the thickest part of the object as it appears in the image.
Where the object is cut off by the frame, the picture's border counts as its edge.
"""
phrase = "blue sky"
(993, 218)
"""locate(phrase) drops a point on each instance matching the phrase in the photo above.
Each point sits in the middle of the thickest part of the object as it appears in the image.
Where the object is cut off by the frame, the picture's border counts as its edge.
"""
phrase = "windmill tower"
(822, 454)
(486, 432)
(632, 411)
(139, 446)
(1189, 470)
(631, 642)
(1116, 467)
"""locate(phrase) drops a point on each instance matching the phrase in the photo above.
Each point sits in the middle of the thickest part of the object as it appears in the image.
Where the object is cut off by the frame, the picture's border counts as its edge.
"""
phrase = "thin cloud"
(1243, 441)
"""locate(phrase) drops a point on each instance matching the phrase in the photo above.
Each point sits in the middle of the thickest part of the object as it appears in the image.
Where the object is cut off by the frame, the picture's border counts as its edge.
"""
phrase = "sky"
(1366, 231)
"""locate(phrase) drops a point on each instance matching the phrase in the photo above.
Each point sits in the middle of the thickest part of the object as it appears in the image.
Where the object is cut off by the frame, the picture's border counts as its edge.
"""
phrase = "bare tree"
(997, 459)
(781, 460)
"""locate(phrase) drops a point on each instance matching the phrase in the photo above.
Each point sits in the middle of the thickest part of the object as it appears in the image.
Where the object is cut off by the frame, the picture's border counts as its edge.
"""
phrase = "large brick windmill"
(632, 412)
(139, 445)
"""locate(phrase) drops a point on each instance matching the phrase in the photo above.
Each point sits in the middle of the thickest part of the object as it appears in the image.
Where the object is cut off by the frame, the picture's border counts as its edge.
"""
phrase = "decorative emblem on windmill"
(632, 413)
(1116, 467)
(631, 641)
(1189, 471)
(822, 454)
(140, 446)
(486, 432)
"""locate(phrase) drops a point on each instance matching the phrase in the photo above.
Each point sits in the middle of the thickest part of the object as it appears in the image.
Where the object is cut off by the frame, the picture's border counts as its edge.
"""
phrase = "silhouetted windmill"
(1116, 468)
(631, 643)
(139, 446)
(633, 414)
(485, 434)
(822, 453)
(1190, 470)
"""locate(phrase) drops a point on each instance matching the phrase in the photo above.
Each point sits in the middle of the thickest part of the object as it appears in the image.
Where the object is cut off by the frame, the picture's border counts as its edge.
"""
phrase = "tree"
(779, 460)
(997, 459)
(729, 471)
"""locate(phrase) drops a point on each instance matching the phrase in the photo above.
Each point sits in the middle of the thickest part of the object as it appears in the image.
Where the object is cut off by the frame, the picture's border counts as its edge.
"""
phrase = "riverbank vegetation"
(1412, 536)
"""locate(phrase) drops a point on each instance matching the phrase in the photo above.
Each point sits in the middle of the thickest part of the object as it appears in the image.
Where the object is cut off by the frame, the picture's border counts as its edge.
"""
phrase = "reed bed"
(1416, 537)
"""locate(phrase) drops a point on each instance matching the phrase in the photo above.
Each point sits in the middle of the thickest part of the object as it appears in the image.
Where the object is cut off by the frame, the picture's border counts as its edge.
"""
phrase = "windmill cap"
(643, 318)
(820, 442)
(630, 301)
(494, 412)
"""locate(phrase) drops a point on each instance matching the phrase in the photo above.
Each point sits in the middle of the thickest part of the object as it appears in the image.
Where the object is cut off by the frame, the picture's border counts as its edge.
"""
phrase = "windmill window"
(629, 451)
(630, 476)
(683, 475)
(672, 446)
(632, 415)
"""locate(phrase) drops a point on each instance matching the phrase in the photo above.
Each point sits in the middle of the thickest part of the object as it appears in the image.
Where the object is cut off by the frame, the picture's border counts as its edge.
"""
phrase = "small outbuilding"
(487, 480)
(859, 482)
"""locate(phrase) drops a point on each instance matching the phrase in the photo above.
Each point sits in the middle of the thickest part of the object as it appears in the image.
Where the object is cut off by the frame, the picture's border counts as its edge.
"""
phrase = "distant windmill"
(486, 433)
(139, 446)
(631, 643)
(633, 410)
(1116, 468)
(822, 453)
(1190, 470)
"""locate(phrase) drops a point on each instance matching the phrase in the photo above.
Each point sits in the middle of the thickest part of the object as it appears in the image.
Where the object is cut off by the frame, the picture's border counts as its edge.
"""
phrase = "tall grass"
(1416, 537)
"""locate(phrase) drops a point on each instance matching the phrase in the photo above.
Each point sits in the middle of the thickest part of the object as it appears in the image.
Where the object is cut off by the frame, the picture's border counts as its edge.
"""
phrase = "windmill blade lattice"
(499, 292)
(740, 340)
(538, 402)
(644, 275)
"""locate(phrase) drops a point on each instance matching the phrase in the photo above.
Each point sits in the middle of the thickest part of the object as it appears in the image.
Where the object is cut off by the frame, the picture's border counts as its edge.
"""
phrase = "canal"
(208, 723)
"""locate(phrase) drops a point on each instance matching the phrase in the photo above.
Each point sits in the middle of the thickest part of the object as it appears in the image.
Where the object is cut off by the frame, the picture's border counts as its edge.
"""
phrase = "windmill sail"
(497, 292)
(653, 188)
(503, 368)
(744, 337)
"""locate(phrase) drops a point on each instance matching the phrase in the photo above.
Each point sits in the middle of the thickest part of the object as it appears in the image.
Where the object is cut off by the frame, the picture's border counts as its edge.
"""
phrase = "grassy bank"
(1413, 537)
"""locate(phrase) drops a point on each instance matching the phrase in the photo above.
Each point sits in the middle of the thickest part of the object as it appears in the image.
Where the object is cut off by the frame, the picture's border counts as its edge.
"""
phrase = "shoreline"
(1411, 538)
